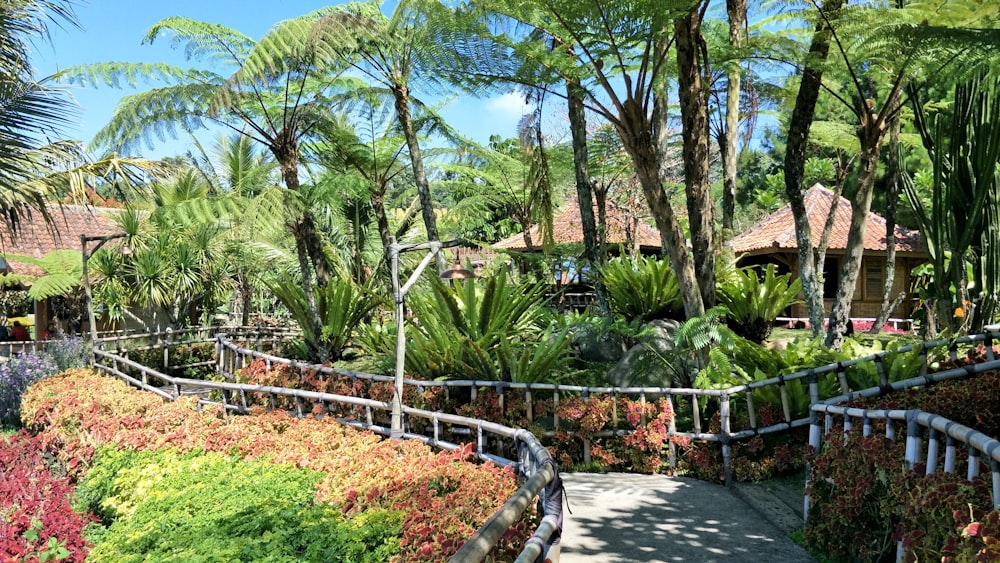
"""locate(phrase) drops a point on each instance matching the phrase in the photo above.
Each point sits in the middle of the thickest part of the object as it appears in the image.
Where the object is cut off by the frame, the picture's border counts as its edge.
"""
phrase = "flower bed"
(443, 497)
(37, 522)
(865, 500)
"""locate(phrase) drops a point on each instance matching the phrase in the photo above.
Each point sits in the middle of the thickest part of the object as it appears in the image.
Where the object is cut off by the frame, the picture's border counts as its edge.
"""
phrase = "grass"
(865, 338)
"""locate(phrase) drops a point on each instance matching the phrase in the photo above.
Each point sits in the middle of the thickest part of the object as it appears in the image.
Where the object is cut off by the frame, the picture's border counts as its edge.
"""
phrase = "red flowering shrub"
(759, 458)
(865, 500)
(307, 379)
(976, 537)
(444, 497)
(624, 434)
(971, 401)
(36, 520)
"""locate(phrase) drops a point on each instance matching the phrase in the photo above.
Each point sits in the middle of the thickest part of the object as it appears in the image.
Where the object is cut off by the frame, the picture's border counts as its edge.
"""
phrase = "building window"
(874, 281)
(831, 277)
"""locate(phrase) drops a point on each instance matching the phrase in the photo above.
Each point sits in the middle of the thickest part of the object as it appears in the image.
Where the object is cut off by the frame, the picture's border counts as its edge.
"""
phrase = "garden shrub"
(37, 522)
(443, 497)
(15, 376)
(752, 302)
(489, 330)
(642, 289)
(971, 402)
(165, 505)
(67, 352)
(865, 499)
(976, 537)
(762, 457)
(259, 373)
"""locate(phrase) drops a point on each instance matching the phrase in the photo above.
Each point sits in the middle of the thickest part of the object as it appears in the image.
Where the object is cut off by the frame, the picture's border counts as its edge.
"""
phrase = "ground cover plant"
(166, 505)
(442, 497)
(37, 522)
(865, 500)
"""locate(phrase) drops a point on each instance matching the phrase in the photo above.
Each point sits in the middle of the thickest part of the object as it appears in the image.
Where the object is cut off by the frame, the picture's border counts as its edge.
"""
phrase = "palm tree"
(30, 111)
(280, 88)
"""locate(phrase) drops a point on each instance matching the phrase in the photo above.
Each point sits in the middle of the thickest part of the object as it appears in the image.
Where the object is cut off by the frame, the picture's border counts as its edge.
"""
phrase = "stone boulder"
(595, 346)
(642, 364)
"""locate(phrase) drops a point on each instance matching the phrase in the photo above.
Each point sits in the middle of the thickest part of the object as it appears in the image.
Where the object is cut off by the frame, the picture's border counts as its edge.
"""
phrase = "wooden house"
(772, 240)
(35, 238)
(626, 232)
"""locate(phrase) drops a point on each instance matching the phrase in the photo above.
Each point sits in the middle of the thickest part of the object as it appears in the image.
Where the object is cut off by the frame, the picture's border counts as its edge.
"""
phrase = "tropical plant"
(752, 303)
(161, 267)
(642, 289)
(362, 166)
(485, 329)
(63, 271)
(614, 60)
(343, 307)
(391, 51)
(280, 88)
(962, 223)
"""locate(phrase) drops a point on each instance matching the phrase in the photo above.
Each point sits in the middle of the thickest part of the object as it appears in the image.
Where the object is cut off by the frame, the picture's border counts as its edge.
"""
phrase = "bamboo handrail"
(537, 469)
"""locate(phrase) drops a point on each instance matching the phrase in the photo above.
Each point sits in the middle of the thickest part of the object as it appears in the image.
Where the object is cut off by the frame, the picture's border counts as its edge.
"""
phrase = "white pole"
(396, 432)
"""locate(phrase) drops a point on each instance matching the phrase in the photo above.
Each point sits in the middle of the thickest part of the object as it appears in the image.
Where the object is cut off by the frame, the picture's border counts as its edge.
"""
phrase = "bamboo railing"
(233, 357)
(533, 462)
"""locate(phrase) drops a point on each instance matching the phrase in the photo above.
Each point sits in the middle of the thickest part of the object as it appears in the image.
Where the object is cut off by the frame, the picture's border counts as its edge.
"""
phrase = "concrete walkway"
(621, 517)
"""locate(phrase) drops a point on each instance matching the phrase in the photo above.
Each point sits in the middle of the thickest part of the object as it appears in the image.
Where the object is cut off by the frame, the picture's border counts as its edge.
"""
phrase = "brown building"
(772, 240)
(35, 239)
(626, 233)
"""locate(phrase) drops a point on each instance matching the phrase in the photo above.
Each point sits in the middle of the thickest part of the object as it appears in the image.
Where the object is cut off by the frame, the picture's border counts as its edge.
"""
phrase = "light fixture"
(457, 271)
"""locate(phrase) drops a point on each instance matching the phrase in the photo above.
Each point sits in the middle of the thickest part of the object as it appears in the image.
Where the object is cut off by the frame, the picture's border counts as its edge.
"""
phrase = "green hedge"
(162, 505)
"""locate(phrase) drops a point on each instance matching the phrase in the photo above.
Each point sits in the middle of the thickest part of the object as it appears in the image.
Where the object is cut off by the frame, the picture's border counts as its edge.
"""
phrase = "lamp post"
(399, 292)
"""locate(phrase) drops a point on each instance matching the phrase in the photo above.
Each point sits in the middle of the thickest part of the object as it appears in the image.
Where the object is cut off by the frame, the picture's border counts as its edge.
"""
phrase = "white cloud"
(509, 106)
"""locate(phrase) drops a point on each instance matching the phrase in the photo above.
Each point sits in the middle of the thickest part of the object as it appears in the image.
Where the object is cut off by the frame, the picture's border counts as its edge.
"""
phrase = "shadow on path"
(621, 517)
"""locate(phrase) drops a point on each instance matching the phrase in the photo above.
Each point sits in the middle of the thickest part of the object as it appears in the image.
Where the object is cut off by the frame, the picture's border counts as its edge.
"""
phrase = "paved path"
(621, 517)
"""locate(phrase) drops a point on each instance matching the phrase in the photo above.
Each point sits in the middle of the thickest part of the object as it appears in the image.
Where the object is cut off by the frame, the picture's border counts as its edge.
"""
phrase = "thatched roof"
(777, 230)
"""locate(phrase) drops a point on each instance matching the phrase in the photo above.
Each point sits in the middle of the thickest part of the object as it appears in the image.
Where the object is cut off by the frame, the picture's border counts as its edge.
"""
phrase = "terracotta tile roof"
(777, 230)
(36, 239)
(567, 229)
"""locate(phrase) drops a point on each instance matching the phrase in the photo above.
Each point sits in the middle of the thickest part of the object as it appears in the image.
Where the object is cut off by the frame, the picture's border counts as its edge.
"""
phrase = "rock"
(642, 364)
(594, 346)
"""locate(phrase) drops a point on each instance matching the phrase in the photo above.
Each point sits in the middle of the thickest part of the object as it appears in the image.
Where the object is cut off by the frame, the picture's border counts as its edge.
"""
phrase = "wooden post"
(85, 278)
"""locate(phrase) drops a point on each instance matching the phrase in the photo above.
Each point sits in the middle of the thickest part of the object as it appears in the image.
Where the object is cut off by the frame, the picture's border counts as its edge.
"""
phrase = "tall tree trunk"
(584, 196)
(578, 133)
(382, 220)
(601, 197)
(308, 248)
(892, 198)
(795, 163)
(637, 137)
(737, 12)
(831, 215)
(401, 94)
(870, 134)
(246, 298)
(694, 130)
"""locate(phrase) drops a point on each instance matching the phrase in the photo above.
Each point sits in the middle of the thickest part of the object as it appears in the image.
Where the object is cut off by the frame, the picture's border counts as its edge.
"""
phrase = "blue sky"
(112, 30)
